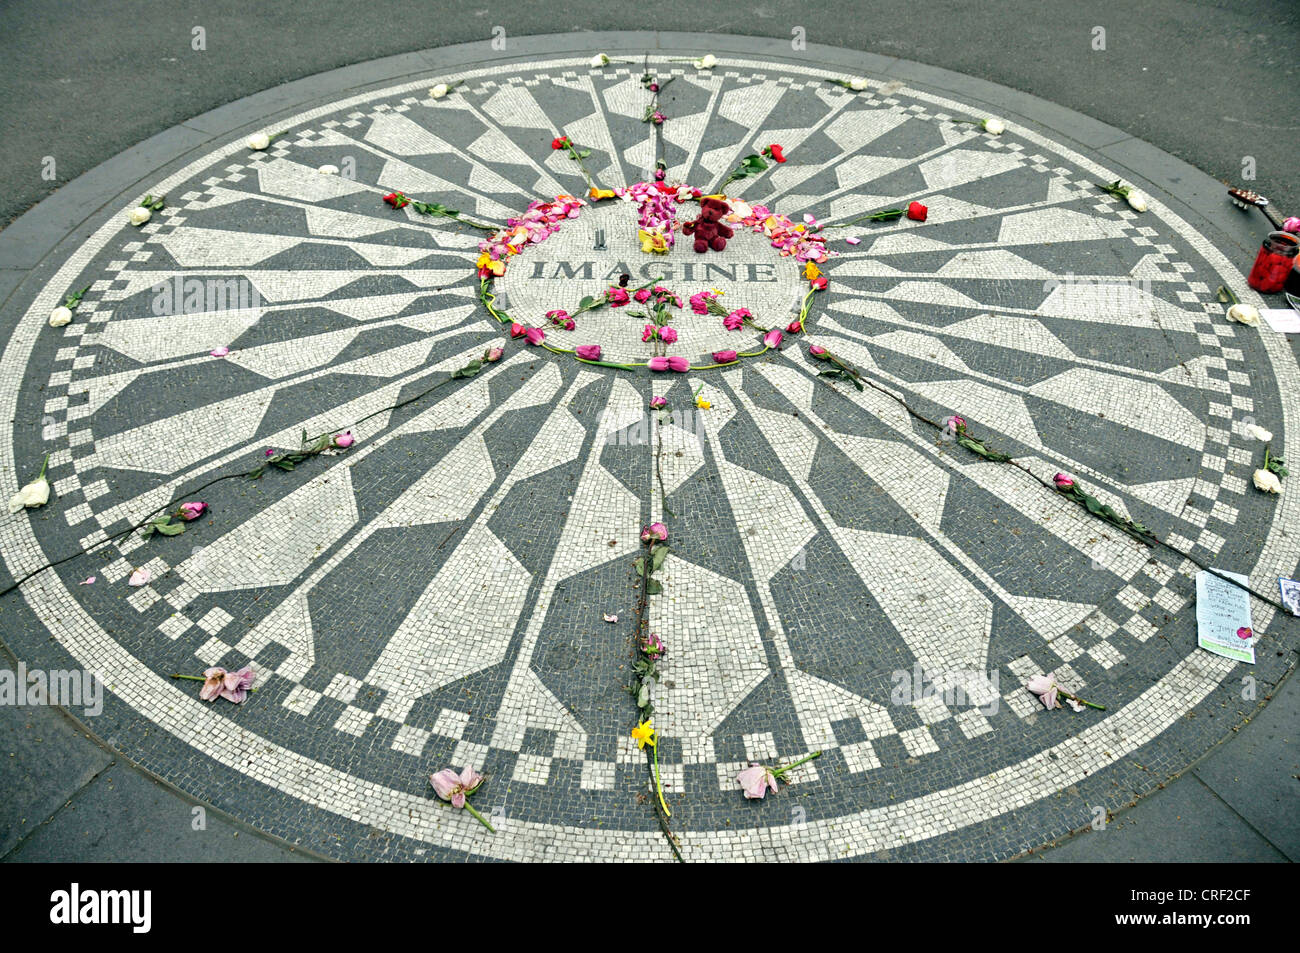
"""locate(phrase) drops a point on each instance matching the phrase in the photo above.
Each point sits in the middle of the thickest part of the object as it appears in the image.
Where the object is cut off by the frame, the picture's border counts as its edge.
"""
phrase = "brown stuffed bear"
(708, 229)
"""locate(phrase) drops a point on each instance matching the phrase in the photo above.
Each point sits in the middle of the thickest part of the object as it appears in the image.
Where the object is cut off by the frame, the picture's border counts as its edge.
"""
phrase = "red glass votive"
(1273, 263)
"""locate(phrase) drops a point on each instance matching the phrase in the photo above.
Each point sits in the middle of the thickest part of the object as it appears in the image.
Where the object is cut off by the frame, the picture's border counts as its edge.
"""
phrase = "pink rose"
(649, 332)
(656, 402)
(1063, 481)
(642, 296)
(192, 511)
(655, 531)
(494, 354)
(817, 351)
(344, 440)
(616, 297)
(667, 335)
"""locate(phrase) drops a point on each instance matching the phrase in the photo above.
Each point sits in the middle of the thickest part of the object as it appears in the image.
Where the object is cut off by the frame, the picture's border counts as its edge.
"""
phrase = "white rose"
(439, 91)
(36, 493)
(259, 141)
(139, 215)
(858, 83)
(1259, 433)
(1265, 480)
(707, 61)
(994, 126)
(328, 170)
(1136, 200)
(60, 316)
(599, 60)
(1244, 314)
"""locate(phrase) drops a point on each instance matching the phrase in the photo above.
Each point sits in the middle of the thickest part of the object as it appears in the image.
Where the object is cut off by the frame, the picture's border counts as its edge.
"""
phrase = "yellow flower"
(644, 733)
(811, 271)
(497, 268)
(653, 242)
(596, 193)
(701, 403)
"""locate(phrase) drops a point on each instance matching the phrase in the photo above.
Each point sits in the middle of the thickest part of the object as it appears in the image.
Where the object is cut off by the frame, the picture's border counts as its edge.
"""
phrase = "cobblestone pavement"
(435, 595)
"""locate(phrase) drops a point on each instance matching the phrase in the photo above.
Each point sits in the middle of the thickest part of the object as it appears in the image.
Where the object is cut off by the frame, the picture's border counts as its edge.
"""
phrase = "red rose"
(917, 212)
(396, 199)
(794, 327)
(560, 143)
(775, 152)
(820, 282)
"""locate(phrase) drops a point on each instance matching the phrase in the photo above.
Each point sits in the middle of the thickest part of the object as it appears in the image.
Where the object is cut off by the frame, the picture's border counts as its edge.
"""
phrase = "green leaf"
(170, 529)
(653, 587)
(658, 555)
(643, 696)
(639, 564)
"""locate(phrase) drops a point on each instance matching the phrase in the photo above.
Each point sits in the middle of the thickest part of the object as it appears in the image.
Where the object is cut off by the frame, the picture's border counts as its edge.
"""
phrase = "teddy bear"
(708, 229)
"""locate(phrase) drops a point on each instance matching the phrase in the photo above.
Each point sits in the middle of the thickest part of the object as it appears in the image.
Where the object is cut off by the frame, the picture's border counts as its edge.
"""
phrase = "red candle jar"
(1276, 256)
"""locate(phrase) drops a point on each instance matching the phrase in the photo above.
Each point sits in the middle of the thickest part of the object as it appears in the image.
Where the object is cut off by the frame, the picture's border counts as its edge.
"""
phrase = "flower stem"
(46, 462)
(479, 817)
(1080, 700)
(789, 767)
(659, 786)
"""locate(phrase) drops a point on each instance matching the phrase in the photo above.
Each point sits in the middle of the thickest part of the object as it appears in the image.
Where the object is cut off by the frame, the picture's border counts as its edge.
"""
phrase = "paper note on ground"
(1283, 320)
(1223, 616)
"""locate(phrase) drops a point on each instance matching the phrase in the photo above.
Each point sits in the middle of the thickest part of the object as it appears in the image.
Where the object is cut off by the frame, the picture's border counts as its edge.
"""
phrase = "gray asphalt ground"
(1210, 82)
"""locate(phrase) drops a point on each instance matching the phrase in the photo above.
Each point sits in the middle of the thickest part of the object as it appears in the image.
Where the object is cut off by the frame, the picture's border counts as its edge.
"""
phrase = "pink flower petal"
(609, 617)
(88, 581)
(139, 577)
(219, 351)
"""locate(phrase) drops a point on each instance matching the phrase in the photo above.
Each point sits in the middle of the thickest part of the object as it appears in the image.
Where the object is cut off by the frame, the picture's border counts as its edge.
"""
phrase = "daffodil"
(652, 242)
(596, 193)
(644, 734)
(701, 403)
(811, 271)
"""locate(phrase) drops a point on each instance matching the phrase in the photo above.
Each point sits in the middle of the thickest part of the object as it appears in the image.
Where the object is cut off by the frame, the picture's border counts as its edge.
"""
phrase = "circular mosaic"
(840, 577)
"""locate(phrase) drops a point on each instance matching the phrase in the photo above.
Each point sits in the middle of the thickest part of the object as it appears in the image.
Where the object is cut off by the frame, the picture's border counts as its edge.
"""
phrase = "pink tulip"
(1045, 689)
(344, 440)
(794, 327)
(657, 364)
(192, 511)
(756, 780)
(773, 338)
(494, 354)
(817, 351)
(454, 788)
(667, 335)
(679, 364)
(232, 686)
(588, 352)
(535, 336)
(1063, 481)
(725, 357)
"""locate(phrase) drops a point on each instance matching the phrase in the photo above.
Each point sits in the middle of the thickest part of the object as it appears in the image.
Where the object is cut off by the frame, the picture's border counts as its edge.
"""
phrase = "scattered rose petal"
(88, 581)
(853, 240)
(219, 351)
(609, 617)
(139, 577)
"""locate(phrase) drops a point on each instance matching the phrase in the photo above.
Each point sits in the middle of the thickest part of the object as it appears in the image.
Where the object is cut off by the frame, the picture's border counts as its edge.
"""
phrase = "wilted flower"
(1245, 633)
(192, 511)
(653, 532)
(398, 200)
(858, 84)
(1063, 481)
(773, 338)
(1136, 200)
(668, 335)
(535, 336)
(679, 364)
(653, 646)
(1244, 314)
(34, 494)
(455, 788)
(232, 686)
(819, 352)
(1045, 689)
(1264, 480)
(954, 423)
(344, 440)
(657, 401)
(494, 354)
(139, 577)
(588, 352)
(757, 779)
(599, 60)
(725, 357)
(617, 297)
(794, 327)
(610, 617)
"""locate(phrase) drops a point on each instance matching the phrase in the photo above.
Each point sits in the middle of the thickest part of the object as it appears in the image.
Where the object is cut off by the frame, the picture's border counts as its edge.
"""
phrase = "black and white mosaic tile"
(435, 596)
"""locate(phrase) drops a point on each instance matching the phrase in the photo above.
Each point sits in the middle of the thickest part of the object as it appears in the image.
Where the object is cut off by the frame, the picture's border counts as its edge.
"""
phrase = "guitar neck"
(1271, 216)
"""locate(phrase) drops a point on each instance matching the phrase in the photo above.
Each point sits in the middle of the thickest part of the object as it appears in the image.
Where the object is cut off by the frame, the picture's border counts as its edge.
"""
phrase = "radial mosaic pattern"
(434, 596)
